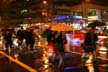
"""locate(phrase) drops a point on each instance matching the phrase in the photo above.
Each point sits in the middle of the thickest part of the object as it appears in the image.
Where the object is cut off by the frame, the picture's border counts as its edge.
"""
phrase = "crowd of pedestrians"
(24, 39)
(55, 38)
(58, 39)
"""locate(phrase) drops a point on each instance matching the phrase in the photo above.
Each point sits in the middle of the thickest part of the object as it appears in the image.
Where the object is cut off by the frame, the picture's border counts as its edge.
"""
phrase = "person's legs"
(31, 46)
(7, 48)
(94, 56)
(61, 61)
(27, 44)
(85, 55)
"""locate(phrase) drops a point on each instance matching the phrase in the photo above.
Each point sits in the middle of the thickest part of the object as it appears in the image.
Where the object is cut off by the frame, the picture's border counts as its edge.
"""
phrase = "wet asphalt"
(41, 62)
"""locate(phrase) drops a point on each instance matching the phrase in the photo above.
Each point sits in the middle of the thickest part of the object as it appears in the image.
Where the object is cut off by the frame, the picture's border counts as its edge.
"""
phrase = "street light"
(44, 6)
(44, 2)
(44, 13)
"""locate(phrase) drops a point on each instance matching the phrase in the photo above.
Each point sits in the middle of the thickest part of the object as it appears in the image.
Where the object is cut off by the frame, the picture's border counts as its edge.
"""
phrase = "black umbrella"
(96, 23)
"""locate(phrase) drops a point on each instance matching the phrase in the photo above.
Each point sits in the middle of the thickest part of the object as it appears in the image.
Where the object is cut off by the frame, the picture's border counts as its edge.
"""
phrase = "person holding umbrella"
(89, 44)
(60, 41)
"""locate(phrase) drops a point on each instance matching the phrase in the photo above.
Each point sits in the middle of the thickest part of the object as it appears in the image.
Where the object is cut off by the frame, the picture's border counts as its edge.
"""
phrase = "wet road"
(37, 61)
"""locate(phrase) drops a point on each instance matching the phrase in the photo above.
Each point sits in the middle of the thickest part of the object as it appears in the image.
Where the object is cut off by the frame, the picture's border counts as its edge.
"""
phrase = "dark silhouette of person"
(8, 40)
(60, 42)
(30, 39)
(51, 37)
(20, 36)
(51, 45)
(90, 43)
(46, 33)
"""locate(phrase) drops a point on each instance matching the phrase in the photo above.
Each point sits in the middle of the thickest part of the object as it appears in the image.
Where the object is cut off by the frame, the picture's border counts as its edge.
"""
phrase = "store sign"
(92, 17)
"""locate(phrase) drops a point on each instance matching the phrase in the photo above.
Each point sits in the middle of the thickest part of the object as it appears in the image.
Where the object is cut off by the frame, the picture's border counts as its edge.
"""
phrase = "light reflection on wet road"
(38, 60)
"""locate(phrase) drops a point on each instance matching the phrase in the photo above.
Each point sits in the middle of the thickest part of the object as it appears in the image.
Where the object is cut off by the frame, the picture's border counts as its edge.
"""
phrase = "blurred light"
(104, 54)
(44, 2)
(27, 0)
(61, 18)
(24, 10)
(103, 48)
(89, 61)
(15, 42)
(46, 61)
(87, 1)
(92, 17)
(91, 68)
(102, 37)
(76, 17)
(67, 17)
(29, 18)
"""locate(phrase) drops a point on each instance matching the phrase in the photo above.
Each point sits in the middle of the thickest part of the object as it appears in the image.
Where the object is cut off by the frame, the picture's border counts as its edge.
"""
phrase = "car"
(102, 39)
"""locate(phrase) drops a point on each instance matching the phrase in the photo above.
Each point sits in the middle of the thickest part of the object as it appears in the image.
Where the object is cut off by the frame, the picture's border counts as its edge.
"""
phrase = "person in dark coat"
(20, 36)
(8, 40)
(30, 39)
(90, 43)
(51, 37)
(46, 32)
(60, 44)
(60, 41)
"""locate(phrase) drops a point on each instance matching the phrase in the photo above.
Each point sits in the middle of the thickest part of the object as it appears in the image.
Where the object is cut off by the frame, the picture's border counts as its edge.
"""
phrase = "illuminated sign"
(92, 17)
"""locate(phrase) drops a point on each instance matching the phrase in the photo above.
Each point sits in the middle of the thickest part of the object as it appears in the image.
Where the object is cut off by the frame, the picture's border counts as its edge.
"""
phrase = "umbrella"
(61, 27)
(96, 23)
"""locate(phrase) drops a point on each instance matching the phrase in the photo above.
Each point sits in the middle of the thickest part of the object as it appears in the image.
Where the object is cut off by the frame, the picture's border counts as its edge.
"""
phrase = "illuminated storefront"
(74, 18)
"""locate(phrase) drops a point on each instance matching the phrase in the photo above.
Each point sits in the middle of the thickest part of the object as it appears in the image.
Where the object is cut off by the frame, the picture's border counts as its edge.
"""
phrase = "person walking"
(59, 44)
(30, 39)
(89, 44)
(20, 36)
(51, 45)
(8, 40)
